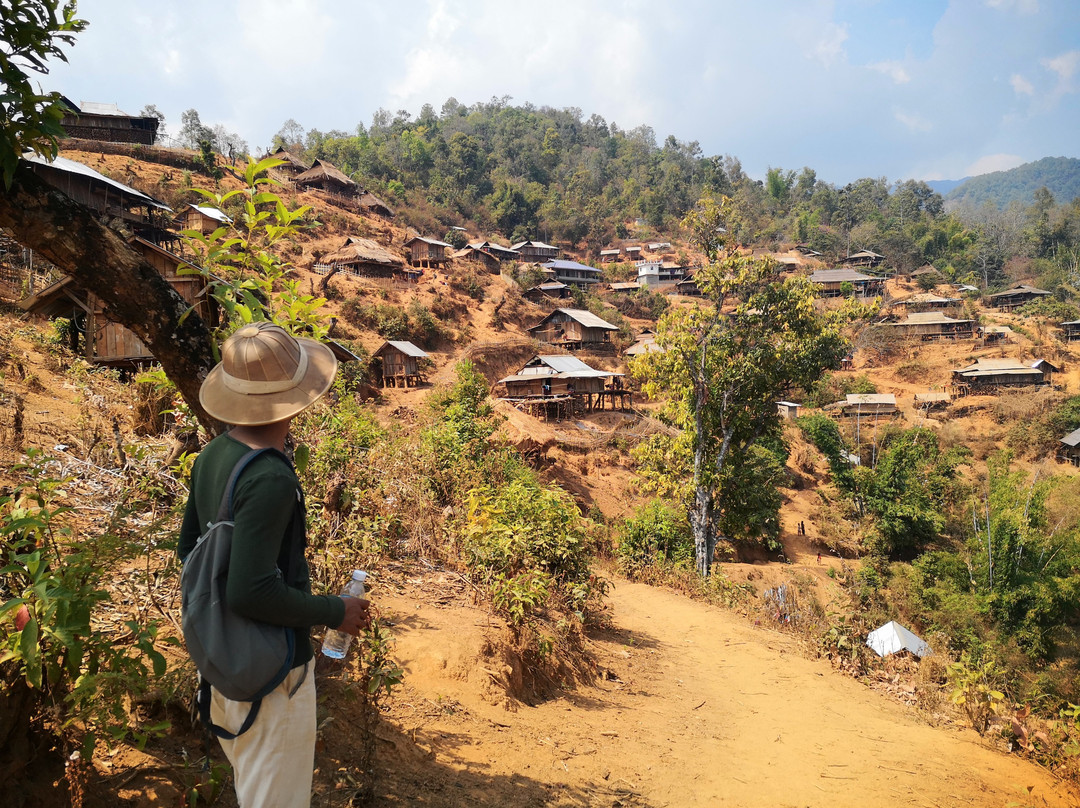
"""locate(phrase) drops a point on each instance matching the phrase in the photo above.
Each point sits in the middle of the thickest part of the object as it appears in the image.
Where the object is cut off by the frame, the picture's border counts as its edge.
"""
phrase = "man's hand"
(357, 616)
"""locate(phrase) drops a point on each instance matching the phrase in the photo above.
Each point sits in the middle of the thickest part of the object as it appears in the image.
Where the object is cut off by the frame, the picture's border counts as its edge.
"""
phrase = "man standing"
(265, 378)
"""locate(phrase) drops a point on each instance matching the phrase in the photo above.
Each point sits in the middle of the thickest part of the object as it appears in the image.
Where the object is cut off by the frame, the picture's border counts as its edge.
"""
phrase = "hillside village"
(553, 328)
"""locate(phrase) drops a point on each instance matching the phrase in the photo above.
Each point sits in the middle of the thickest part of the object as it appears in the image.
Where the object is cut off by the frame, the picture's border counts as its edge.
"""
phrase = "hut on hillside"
(788, 410)
(931, 400)
(554, 384)
(551, 290)
(497, 251)
(362, 257)
(830, 282)
(324, 177)
(992, 334)
(1069, 448)
(400, 363)
(93, 121)
(1070, 331)
(535, 251)
(370, 203)
(99, 338)
(477, 256)
(608, 256)
(688, 286)
(426, 252)
(859, 404)
(133, 210)
(988, 375)
(863, 258)
(627, 287)
(573, 328)
(931, 325)
(202, 218)
(291, 167)
(574, 273)
(1016, 297)
(926, 301)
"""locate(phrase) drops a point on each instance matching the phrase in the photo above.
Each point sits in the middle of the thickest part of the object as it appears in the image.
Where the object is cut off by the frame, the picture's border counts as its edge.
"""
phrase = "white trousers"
(273, 761)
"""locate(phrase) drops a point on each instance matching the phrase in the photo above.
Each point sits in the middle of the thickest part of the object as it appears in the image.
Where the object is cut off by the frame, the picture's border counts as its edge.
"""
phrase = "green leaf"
(30, 652)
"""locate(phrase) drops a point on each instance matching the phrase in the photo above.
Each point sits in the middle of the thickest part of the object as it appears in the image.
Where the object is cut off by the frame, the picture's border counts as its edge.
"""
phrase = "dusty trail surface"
(694, 707)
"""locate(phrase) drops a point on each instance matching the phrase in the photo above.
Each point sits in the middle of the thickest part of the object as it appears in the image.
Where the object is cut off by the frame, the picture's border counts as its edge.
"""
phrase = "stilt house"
(98, 338)
(1016, 297)
(426, 252)
(931, 325)
(987, 375)
(573, 328)
(93, 121)
(202, 218)
(400, 363)
(830, 282)
(535, 251)
(362, 257)
(1069, 448)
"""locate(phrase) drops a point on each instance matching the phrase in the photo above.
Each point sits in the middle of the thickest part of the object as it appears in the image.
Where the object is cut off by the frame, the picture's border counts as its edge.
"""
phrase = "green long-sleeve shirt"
(266, 500)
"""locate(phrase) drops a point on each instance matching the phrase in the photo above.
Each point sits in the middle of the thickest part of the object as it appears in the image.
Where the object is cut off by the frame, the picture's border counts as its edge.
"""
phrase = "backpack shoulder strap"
(225, 509)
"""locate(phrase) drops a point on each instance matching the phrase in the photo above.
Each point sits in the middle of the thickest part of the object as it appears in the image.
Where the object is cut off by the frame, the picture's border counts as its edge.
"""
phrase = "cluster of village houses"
(551, 384)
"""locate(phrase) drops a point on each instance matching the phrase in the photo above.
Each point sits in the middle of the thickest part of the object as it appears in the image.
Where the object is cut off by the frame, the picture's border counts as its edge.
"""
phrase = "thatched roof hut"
(372, 204)
(327, 178)
(362, 256)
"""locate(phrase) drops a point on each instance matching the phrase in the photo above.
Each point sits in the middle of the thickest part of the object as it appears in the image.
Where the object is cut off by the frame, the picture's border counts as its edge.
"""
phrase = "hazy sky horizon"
(931, 89)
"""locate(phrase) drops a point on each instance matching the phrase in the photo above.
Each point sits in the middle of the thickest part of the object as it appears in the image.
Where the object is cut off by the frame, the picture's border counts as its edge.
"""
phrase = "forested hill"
(1060, 175)
(522, 171)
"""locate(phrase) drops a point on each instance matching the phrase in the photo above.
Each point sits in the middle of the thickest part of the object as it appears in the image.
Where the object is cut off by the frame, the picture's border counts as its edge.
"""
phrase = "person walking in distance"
(265, 378)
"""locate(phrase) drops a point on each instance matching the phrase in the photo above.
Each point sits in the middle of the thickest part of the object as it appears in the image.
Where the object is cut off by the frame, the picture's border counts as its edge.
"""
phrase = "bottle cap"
(359, 575)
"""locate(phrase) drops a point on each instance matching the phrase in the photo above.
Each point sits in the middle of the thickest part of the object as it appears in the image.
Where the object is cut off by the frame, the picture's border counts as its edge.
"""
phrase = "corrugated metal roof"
(927, 297)
(559, 263)
(1022, 289)
(870, 398)
(588, 319)
(406, 348)
(929, 318)
(616, 251)
(928, 398)
(213, 213)
(538, 244)
(839, 275)
(561, 363)
(432, 241)
(1072, 439)
(71, 167)
(624, 287)
(98, 108)
(995, 364)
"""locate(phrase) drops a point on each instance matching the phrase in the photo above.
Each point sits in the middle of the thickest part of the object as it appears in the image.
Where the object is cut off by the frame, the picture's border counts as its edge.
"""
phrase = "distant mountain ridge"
(944, 186)
(1061, 175)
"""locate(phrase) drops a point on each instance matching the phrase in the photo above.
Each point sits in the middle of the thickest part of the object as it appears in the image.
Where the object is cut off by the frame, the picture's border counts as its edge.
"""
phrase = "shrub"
(656, 532)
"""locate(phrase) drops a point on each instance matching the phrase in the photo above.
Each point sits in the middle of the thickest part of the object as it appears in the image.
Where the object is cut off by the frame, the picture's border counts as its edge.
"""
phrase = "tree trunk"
(71, 237)
(701, 512)
(17, 746)
(701, 528)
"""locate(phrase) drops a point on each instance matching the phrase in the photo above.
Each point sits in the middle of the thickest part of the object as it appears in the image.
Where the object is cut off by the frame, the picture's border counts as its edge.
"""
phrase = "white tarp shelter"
(893, 637)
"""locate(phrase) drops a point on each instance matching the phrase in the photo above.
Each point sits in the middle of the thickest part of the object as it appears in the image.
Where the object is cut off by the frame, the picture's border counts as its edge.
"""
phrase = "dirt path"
(696, 708)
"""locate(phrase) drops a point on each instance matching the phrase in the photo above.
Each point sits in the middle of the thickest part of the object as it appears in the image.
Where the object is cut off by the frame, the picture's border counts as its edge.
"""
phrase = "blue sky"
(923, 89)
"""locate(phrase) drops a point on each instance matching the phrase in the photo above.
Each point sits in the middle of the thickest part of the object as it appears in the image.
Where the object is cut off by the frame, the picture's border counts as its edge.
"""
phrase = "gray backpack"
(241, 658)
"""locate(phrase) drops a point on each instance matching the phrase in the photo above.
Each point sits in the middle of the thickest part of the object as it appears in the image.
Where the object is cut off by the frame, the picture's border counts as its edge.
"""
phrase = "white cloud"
(828, 48)
(894, 70)
(993, 162)
(1021, 85)
(1021, 6)
(1064, 65)
(916, 123)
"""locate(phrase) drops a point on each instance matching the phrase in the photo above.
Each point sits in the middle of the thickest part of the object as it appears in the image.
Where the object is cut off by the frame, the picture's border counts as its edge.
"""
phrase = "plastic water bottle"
(336, 643)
